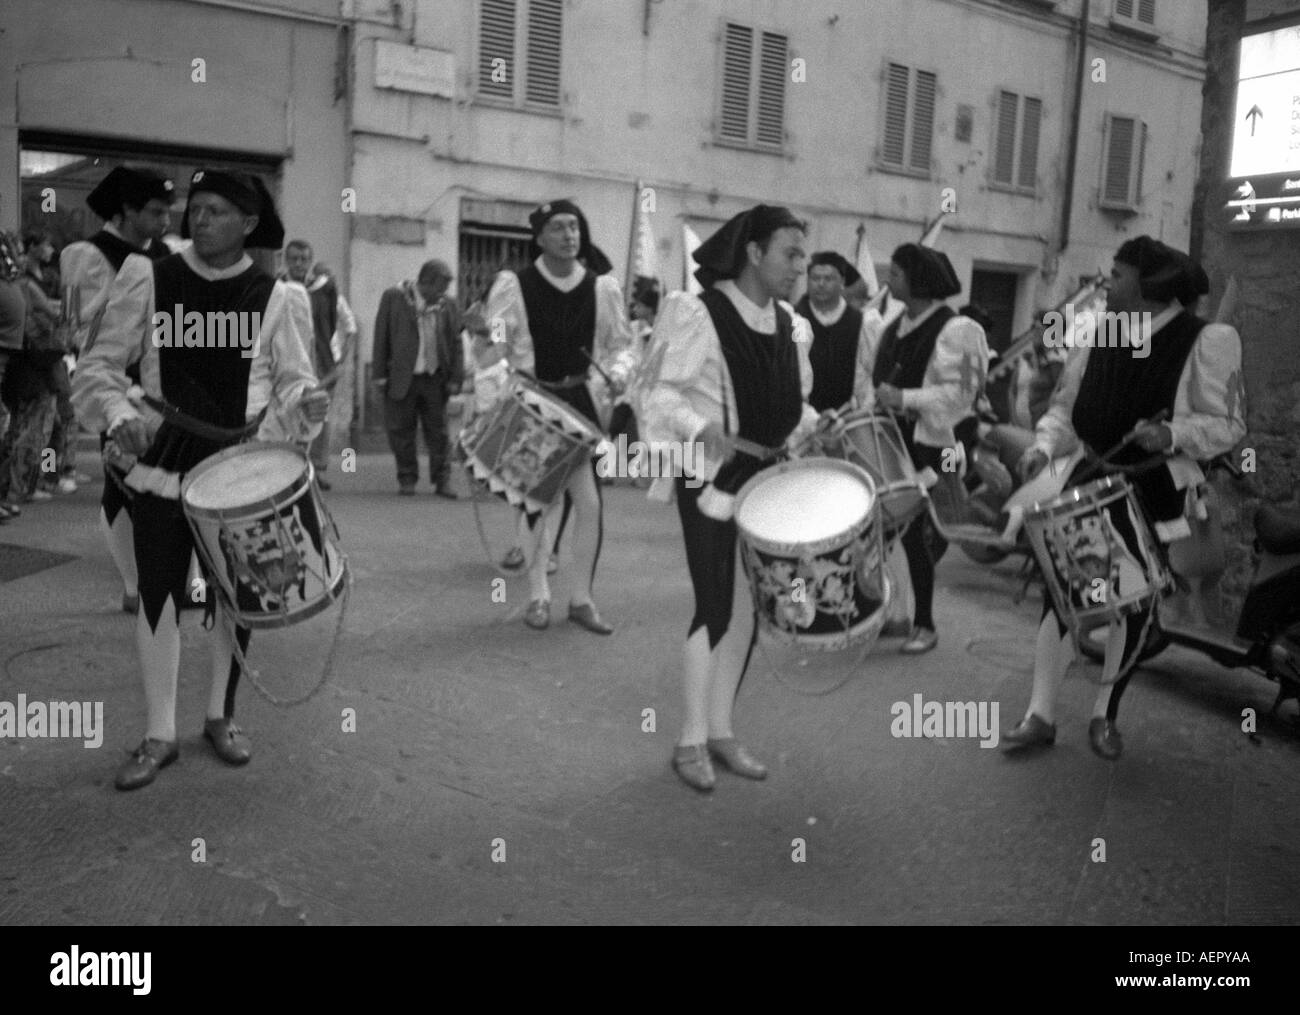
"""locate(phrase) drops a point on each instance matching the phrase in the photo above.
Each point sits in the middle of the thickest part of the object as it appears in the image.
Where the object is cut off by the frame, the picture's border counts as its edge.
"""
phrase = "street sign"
(1264, 186)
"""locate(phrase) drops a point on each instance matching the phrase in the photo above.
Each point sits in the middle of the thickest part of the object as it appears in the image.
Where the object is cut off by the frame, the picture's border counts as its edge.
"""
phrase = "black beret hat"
(126, 186)
(930, 274)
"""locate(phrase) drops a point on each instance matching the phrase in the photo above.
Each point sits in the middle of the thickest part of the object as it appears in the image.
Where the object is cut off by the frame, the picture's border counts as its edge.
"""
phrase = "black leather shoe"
(143, 766)
(513, 560)
(445, 492)
(130, 603)
(733, 757)
(693, 767)
(1032, 732)
(323, 483)
(586, 616)
(228, 741)
(1105, 740)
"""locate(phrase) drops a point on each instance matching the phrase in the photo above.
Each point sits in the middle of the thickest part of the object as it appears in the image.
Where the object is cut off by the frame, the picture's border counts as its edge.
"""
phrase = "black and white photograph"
(660, 463)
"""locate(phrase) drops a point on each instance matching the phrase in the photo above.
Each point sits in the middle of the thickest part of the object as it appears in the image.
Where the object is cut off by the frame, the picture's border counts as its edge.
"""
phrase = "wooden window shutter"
(1124, 8)
(1147, 11)
(770, 128)
(893, 147)
(1122, 179)
(1029, 143)
(737, 73)
(923, 119)
(496, 42)
(1004, 153)
(545, 25)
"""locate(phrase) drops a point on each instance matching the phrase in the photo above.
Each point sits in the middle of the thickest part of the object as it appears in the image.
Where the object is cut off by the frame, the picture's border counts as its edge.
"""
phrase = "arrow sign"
(1254, 116)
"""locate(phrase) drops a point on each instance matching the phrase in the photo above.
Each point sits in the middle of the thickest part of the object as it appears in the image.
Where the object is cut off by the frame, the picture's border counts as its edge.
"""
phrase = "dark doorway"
(995, 291)
(484, 251)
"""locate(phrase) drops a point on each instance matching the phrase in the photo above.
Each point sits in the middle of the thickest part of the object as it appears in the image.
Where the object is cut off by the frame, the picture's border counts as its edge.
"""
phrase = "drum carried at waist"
(1097, 552)
(264, 533)
(812, 547)
(873, 442)
(528, 445)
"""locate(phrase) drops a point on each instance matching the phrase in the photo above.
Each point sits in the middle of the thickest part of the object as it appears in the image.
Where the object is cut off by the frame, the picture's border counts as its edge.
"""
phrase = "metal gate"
(484, 251)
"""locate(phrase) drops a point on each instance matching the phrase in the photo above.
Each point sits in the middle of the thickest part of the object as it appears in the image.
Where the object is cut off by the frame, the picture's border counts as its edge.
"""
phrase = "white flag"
(866, 267)
(690, 243)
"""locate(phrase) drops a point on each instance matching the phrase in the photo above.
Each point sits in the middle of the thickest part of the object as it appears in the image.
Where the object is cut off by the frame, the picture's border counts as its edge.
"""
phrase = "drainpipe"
(1072, 158)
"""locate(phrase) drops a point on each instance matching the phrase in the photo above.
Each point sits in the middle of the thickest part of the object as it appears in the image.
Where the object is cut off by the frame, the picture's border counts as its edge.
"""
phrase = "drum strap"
(199, 428)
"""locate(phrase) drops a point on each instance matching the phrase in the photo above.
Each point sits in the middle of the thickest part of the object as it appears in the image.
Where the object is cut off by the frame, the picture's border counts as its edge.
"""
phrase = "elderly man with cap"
(199, 398)
(561, 317)
(418, 362)
(135, 205)
(838, 328)
(925, 367)
(729, 364)
(1178, 365)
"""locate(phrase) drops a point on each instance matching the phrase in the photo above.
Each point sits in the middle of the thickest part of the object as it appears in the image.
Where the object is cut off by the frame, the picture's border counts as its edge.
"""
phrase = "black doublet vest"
(1119, 390)
(210, 384)
(833, 355)
(115, 249)
(902, 362)
(563, 327)
(764, 373)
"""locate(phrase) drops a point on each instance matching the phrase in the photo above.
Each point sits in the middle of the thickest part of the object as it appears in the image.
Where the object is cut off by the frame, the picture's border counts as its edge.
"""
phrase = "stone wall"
(1267, 269)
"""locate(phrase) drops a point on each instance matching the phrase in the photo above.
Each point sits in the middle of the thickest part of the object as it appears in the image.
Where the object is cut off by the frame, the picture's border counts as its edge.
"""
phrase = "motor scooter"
(1267, 638)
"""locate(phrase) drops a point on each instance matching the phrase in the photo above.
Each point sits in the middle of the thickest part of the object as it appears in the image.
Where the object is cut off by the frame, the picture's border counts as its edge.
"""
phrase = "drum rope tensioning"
(269, 543)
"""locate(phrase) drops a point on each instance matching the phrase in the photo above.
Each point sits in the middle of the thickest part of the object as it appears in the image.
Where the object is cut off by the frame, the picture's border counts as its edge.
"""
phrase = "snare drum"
(873, 442)
(811, 543)
(264, 533)
(528, 445)
(1097, 553)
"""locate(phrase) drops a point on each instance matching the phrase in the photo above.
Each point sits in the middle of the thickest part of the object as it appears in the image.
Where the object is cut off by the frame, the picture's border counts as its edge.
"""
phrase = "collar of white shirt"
(909, 324)
(112, 230)
(756, 318)
(1147, 327)
(566, 284)
(210, 274)
(828, 319)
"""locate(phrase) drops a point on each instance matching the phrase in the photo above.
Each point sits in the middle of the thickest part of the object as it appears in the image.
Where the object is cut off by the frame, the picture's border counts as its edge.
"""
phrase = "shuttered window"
(1121, 185)
(754, 68)
(1015, 149)
(1136, 10)
(908, 137)
(523, 34)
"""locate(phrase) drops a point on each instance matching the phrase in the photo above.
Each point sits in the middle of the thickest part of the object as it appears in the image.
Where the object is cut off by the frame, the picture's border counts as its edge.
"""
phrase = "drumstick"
(1159, 417)
(608, 380)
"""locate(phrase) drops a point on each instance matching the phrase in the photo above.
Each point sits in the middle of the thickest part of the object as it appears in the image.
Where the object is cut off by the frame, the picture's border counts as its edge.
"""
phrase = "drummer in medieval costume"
(925, 367)
(202, 392)
(563, 318)
(1109, 392)
(729, 363)
(135, 205)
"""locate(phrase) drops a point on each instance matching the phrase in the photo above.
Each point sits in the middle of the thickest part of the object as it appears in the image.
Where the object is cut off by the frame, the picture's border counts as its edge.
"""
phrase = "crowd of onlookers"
(38, 429)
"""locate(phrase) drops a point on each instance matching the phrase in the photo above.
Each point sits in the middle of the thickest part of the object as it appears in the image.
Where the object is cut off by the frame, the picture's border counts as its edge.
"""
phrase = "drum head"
(803, 505)
(250, 475)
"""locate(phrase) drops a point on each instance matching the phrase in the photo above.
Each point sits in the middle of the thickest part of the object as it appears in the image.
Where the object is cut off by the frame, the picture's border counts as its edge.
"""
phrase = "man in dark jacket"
(418, 362)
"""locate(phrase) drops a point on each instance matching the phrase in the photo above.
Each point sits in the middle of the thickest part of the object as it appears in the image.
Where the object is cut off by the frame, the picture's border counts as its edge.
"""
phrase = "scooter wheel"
(1093, 645)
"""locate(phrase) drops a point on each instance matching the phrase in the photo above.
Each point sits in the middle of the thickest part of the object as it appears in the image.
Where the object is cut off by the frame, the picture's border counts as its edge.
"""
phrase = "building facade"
(868, 118)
